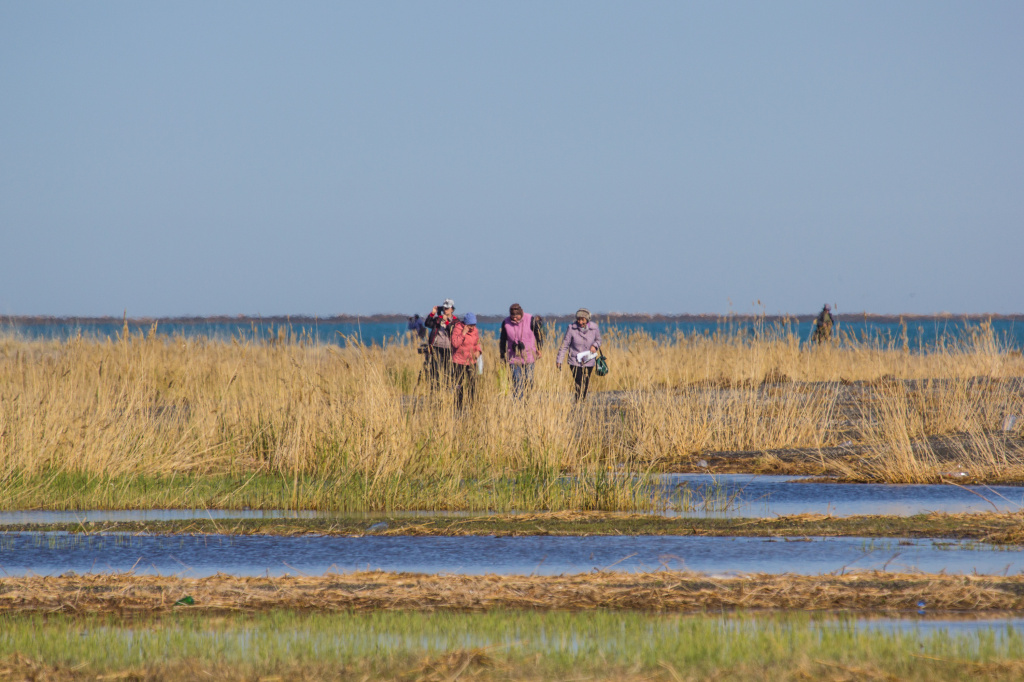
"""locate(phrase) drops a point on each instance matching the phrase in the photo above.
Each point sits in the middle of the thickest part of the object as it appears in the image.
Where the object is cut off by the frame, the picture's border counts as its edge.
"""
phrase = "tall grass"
(357, 427)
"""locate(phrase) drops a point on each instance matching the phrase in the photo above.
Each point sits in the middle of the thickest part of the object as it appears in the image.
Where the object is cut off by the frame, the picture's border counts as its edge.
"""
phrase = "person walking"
(520, 346)
(581, 342)
(440, 322)
(823, 326)
(466, 349)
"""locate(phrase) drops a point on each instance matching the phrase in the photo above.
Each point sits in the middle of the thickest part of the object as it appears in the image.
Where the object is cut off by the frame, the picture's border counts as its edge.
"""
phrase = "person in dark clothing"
(520, 346)
(441, 321)
(416, 325)
(823, 326)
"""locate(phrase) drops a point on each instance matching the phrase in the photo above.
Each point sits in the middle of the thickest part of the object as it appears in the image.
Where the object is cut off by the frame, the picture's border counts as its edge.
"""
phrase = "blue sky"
(325, 157)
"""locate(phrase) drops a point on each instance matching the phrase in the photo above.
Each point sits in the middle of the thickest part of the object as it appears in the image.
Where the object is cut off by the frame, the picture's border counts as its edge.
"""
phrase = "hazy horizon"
(610, 313)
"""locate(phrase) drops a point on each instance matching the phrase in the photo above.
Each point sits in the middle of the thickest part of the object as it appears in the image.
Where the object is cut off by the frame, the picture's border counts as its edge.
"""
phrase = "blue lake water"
(920, 333)
(196, 556)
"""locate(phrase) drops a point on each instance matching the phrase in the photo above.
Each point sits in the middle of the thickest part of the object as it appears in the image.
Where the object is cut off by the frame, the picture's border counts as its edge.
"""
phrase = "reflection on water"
(193, 556)
(745, 495)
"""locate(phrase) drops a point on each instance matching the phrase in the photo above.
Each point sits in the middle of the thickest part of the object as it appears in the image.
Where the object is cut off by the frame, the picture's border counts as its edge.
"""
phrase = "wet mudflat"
(256, 555)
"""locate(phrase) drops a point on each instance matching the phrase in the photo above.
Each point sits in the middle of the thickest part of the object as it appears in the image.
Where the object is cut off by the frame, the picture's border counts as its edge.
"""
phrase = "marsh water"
(743, 495)
(249, 555)
(734, 495)
(696, 495)
(920, 333)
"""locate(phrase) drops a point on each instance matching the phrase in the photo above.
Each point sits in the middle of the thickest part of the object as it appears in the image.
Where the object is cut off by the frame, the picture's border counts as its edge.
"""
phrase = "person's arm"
(563, 348)
(458, 336)
(597, 340)
(503, 342)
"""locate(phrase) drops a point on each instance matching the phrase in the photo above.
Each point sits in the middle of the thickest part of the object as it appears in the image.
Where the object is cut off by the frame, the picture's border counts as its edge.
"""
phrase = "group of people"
(452, 348)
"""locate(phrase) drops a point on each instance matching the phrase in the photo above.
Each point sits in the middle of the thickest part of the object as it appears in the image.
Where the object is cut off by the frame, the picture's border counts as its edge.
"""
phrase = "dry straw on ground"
(661, 591)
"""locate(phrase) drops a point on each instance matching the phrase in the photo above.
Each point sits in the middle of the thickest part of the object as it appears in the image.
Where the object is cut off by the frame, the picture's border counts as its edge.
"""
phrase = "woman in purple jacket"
(581, 337)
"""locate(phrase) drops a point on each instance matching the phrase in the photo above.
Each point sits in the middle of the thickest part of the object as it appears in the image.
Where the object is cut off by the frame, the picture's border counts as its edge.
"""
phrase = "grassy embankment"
(496, 645)
(157, 422)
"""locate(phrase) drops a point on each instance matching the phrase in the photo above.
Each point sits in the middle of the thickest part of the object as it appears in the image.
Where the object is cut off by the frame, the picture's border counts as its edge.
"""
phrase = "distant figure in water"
(416, 325)
(823, 326)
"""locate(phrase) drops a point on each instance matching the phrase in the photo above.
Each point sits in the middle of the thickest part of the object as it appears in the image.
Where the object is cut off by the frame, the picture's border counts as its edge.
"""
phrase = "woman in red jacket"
(466, 349)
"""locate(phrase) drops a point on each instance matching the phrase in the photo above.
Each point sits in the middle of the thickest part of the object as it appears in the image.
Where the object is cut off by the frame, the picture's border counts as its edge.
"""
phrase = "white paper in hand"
(585, 356)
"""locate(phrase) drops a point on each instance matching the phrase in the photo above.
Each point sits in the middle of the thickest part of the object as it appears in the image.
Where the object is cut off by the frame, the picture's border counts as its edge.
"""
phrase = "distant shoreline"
(396, 318)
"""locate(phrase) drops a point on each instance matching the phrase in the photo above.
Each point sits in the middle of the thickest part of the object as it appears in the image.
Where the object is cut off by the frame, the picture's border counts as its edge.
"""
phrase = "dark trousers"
(465, 383)
(439, 366)
(522, 379)
(582, 377)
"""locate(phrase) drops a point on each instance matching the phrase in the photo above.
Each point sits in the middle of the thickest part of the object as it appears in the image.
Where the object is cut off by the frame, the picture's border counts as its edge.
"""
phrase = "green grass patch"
(528, 490)
(503, 644)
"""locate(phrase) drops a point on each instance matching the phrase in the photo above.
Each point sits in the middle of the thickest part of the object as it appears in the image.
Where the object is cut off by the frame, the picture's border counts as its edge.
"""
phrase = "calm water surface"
(920, 333)
(742, 495)
(194, 556)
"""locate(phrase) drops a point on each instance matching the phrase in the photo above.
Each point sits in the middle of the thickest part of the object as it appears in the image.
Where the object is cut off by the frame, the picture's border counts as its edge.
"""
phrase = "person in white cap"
(441, 321)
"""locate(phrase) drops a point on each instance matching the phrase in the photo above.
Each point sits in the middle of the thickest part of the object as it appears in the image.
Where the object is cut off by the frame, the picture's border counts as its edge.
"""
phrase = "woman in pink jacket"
(583, 336)
(466, 349)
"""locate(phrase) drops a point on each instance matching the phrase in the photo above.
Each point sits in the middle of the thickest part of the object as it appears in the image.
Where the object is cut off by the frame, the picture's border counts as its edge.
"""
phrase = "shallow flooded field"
(253, 555)
(508, 645)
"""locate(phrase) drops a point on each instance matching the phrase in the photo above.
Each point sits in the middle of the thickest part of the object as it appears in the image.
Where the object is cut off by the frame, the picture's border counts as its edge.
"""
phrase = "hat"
(584, 313)
(469, 318)
(828, 307)
(448, 303)
(515, 308)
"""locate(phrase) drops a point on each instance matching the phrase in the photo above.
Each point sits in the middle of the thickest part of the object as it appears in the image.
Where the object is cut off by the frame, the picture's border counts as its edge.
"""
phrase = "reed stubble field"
(149, 421)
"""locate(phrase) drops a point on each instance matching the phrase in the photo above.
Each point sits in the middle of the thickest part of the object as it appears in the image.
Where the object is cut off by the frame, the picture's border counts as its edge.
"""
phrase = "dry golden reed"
(151, 405)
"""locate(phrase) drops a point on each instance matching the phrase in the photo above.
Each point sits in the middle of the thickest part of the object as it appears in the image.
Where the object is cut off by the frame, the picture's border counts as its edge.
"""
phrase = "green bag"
(601, 365)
